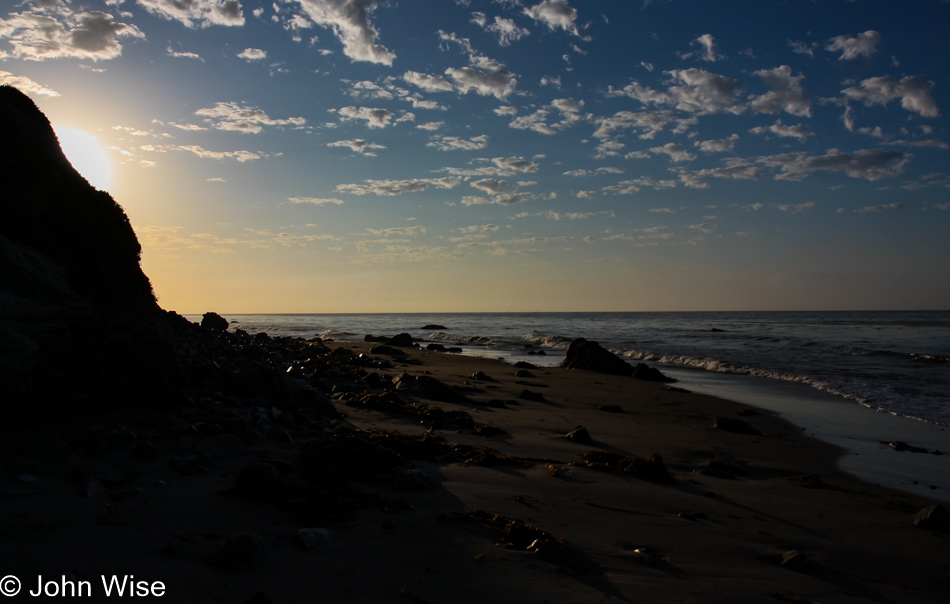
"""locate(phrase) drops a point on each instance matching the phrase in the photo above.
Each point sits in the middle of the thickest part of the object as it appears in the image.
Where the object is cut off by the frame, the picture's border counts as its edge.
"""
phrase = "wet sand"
(713, 533)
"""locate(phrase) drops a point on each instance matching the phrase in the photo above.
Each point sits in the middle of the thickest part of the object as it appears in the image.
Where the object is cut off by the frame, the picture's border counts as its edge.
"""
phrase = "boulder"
(214, 322)
(644, 372)
(584, 354)
(403, 339)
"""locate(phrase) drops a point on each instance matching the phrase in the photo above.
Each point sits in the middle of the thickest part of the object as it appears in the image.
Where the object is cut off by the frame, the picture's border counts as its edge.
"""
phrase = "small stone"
(580, 435)
(738, 426)
(412, 477)
(528, 395)
(242, 551)
(795, 560)
(934, 518)
(309, 538)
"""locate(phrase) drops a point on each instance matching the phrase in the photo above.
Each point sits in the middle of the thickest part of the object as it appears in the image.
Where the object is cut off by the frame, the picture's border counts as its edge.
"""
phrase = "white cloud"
(432, 126)
(675, 152)
(500, 166)
(480, 228)
(786, 93)
(197, 13)
(374, 117)
(253, 54)
(913, 91)
(867, 164)
(402, 231)
(358, 145)
(25, 84)
(635, 185)
(851, 48)
(555, 14)
(316, 200)
(799, 131)
(733, 169)
(428, 83)
(721, 145)
(350, 21)
(491, 185)
(795, 208)
(803, 48)
(488, 78)
(39, 34)
(454, 143)
(708, 45)
(505, 110)
(890, 207)
(241, 156)
(238, 118)
(397, 187)
(649, 124)
(183, 55)
(506, 30)
(692, 90)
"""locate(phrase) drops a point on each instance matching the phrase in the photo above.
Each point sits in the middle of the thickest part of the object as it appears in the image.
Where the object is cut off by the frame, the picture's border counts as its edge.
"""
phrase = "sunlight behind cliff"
(87, 156)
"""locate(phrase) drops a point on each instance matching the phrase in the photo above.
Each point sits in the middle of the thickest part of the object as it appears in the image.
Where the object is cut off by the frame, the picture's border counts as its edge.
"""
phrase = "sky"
(509, 155)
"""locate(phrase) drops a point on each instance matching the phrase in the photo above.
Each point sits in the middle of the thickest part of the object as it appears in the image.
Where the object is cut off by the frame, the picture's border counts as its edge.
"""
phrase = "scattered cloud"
(799, 131)
(786, 93)
(357, 145)
(675, 152)
(64, 32)
(239, 118)
(25, 84)
(862, 45)
(889, 207)
(397, 187)
(253, 54)
(454, 143)
(350, 22)
(556, 14)
(913, 91)
(795, 208)
(183, 55)
(317, 201)
(373, 116)
(721, 145)
(867, 164)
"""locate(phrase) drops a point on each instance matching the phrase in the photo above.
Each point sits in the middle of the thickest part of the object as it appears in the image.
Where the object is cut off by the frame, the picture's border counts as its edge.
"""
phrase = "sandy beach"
(477, 515)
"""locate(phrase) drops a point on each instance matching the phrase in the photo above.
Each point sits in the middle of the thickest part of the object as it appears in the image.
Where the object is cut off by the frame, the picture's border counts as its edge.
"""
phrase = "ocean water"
(894, 362)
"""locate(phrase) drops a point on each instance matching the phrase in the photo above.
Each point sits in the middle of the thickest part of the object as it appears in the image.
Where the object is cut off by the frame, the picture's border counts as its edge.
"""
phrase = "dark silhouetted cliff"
(79, 324)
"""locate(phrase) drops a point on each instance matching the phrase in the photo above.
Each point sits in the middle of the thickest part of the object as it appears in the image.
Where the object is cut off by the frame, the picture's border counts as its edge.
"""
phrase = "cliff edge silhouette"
(79, 323)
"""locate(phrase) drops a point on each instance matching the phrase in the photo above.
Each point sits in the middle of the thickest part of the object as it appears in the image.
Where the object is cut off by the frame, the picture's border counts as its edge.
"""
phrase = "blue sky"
(465, 155)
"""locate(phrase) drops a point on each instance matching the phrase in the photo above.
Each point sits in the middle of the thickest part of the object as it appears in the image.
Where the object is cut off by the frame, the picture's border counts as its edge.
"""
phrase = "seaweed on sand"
(436, 417)
(517, 535)
(647, 468)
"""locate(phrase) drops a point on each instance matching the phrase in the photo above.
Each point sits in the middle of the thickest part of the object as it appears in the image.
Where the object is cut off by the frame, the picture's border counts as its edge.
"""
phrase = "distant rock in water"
(77, 314)
(584, 354)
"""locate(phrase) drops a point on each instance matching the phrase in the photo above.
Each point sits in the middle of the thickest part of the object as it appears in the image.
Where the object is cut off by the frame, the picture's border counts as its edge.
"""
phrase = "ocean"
(857, 379)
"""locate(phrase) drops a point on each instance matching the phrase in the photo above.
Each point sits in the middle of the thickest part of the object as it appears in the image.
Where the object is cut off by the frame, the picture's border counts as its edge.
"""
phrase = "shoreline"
(735, 517)
(830, 417)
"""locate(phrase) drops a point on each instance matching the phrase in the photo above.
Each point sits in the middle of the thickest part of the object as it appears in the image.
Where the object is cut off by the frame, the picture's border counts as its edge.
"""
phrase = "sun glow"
(84, 153)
